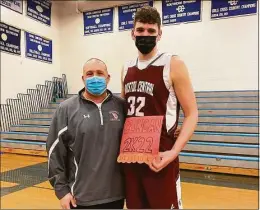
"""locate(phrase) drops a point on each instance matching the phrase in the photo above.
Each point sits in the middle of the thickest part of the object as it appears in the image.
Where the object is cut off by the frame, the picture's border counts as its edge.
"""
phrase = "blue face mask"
(96, 85)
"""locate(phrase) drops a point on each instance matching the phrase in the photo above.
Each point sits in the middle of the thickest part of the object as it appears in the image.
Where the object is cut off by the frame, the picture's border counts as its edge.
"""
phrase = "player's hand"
(66, 200)
(161, 161)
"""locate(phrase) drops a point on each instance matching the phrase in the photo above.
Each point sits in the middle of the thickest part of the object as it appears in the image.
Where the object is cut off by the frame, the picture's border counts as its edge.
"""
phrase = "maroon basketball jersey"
(149, 92)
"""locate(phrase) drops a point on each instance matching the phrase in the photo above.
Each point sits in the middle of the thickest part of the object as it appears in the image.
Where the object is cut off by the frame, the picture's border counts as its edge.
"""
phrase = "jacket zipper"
(100, 113)
(99, 108)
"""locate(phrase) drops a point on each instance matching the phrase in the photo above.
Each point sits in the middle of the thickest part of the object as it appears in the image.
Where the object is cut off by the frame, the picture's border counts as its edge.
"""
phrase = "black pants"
(113, 205)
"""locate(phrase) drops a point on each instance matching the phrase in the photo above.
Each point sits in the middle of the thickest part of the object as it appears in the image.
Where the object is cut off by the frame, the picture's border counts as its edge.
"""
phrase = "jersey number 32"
(135, 105)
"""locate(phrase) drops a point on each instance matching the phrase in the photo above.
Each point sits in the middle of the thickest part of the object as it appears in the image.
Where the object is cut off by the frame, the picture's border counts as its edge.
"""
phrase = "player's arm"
(122, 84)
(185, 94)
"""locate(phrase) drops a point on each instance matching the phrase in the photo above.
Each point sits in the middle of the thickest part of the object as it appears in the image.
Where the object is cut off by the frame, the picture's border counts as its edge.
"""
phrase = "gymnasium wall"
(220, 54)
(19, 73)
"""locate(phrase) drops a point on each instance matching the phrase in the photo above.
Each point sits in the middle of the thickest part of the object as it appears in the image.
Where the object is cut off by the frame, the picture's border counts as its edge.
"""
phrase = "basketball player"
(157, 83)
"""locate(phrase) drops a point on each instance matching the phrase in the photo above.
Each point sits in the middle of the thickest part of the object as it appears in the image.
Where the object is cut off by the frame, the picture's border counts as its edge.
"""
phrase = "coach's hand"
(66, 200)
(161, 161)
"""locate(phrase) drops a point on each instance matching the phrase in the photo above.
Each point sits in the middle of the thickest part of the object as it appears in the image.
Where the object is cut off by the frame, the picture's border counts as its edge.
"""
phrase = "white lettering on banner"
(91, 27)
(104, 25)
(96, 12)
(38, 38)
(44, 44)
(248, 6)
(43, 16)
(193, 13)
(105, 14)
(223, 9)
(35, 41)
(106, 10)
(181, 14)
(12, 33)
(177, 3)
(234, 7)
(93, 13)
(46, 55)
(12, 46)
(32, 11)
(46, 5)
(34, 51)
(189, 2)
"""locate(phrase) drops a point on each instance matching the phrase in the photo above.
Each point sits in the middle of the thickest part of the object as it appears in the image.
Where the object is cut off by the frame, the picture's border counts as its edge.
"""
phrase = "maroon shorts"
(150, 190)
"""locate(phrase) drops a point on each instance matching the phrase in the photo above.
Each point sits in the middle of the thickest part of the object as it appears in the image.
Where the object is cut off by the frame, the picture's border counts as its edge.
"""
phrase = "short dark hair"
(148, 14)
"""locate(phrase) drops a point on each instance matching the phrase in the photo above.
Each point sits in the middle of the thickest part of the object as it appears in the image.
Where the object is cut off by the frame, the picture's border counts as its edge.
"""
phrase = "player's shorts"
(153, 190)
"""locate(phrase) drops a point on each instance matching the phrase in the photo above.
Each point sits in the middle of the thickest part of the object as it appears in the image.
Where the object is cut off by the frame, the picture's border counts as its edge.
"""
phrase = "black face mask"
(145, 44)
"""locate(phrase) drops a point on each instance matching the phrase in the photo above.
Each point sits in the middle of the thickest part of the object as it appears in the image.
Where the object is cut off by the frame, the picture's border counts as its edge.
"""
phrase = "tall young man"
(153, 84)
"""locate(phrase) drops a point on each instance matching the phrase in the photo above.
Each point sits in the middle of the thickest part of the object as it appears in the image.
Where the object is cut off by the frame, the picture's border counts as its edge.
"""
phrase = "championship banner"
(126, 14)
(98, 21)
(10, 39)
(227, 8)
(39, 10)
(15, 5)
(38, 48)
(141, 139)
(177, 11)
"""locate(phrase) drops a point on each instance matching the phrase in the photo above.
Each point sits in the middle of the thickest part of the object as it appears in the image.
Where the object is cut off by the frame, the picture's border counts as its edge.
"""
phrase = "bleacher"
(225, 140)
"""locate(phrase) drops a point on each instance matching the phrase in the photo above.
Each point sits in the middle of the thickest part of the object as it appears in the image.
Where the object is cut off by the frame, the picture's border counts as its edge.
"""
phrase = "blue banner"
(15, 5)
(10, 39)
(38, 48)
(176, 11)
(98, 21)
(227, 8)
(126, 14)
(39, 10)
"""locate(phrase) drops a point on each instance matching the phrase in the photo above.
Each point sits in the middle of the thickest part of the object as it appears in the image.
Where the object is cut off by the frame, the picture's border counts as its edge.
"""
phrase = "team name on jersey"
(139, 86)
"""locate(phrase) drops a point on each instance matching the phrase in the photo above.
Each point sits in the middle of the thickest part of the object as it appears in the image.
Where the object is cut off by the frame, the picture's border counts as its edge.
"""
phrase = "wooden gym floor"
(24, 185)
